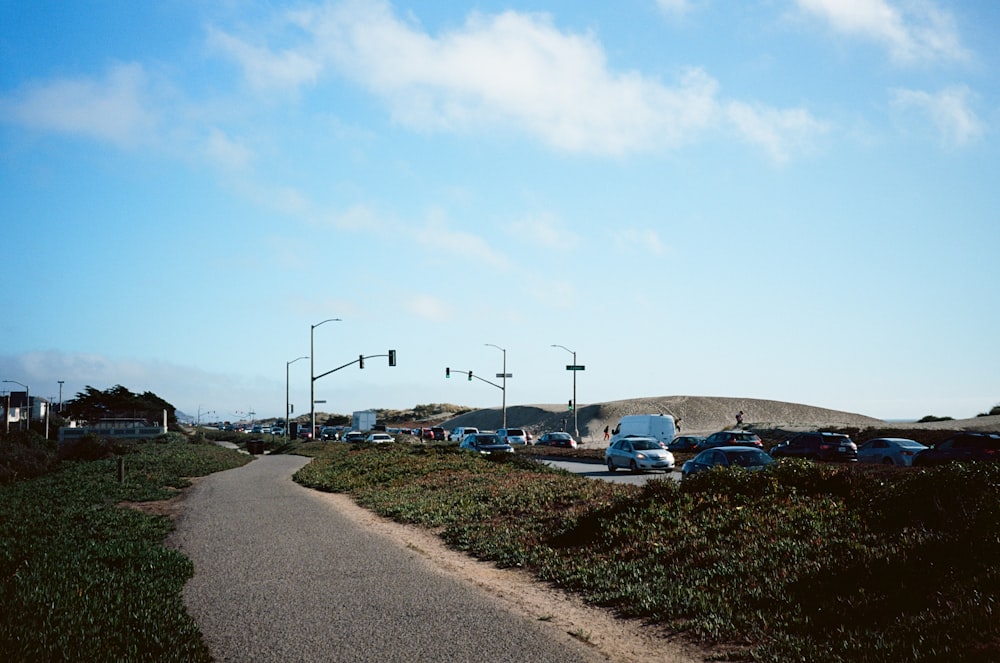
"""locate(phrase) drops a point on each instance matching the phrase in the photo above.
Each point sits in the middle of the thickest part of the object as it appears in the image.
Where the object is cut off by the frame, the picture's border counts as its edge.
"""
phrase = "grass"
(84, 579)
(800, 562)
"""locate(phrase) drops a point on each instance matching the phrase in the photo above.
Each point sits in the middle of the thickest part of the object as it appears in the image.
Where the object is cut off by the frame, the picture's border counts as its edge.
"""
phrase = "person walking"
(607, 436)
(739, 419)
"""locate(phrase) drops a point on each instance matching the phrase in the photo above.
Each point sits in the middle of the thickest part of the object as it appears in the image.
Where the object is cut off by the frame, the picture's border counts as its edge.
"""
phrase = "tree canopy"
(117, 402)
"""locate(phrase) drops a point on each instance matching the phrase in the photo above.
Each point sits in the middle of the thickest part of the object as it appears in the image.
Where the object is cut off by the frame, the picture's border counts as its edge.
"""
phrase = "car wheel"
(633, 467)
(611, 466)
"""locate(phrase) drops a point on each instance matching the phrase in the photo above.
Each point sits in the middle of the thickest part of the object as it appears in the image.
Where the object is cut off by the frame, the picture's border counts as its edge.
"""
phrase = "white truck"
(363, 420)
(658, 426)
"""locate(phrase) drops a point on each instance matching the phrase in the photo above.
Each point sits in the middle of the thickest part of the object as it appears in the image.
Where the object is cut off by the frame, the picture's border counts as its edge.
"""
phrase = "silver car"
(638, 454)
(898, 451)
(485, 443)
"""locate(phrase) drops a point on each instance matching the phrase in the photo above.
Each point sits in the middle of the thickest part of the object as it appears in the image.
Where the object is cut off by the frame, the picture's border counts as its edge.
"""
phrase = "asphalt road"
(600, 471)
(281, 576)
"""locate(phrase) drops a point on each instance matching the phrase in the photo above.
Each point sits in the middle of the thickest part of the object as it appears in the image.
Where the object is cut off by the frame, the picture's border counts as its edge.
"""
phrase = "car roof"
(734, 449)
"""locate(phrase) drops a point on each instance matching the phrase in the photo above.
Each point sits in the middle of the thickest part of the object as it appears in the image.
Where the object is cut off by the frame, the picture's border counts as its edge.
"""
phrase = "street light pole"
(503, 389)
(60, 395)
(287, 412)
(576, 425)
(312, 375)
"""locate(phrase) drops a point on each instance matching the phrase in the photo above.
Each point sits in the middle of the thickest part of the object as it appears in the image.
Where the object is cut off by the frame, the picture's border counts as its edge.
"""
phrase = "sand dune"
(697, 415)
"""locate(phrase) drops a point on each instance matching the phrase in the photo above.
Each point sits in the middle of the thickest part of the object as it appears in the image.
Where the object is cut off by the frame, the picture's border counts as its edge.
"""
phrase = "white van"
(458, 433)
(658, 426)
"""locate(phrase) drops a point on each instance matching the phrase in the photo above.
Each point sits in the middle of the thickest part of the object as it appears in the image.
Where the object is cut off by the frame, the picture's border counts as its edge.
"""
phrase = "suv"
(964, 446)
(730, 438)
(818, 446)
(512, 436)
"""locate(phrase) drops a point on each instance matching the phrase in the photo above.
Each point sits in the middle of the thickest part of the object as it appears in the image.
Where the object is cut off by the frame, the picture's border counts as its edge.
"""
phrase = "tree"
(119, 403)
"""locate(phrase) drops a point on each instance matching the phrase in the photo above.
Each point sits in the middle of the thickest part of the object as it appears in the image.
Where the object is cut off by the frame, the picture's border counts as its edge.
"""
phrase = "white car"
(512, 436)
(458, 433)
(638, 454)
(380, 438)
(889, 451)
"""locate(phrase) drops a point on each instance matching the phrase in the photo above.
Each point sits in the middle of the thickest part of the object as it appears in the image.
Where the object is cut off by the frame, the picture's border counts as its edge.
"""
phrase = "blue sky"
(787, 199)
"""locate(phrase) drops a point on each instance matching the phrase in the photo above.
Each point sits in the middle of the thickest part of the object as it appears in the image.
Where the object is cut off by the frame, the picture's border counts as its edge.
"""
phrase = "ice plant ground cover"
(83, 578)
(799, 562)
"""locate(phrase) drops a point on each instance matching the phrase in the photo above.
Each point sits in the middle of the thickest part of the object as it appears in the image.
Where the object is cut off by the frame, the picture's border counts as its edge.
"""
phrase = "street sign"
(505, 375)
(575, 367)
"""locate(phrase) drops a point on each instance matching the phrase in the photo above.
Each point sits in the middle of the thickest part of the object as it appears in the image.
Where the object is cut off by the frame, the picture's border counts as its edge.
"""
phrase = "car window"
(646, 445)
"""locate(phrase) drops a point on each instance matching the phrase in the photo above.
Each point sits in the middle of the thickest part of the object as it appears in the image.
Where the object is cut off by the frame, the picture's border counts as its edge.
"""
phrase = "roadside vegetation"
(81, 577)
(800, 562)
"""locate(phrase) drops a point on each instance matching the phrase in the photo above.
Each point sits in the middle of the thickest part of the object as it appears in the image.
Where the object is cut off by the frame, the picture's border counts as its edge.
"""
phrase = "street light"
(60, 395)
(576, 425)
(503, 389)
(287, 364)
(27, 397)
(312, 375)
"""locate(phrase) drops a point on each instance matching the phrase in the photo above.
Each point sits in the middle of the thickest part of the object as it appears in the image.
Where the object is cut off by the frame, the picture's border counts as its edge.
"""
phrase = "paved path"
(280, 575)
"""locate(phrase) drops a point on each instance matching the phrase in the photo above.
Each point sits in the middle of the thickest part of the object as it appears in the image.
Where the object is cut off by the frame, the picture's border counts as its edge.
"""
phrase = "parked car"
(485, 443)
(512, 436)
(961, 447)
(558, 439)
(354, 436)
(734, 438)
(375, 437)
(459, 432)
(817, 446)
(329, 433)
(747, 457)
(685, 443)
(637, 454)
(898, 451)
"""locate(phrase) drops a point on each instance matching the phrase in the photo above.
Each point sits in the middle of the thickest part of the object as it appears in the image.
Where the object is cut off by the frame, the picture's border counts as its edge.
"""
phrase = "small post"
(121, 469)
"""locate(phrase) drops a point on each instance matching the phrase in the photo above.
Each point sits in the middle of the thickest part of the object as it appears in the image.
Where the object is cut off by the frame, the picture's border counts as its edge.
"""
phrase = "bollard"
(121, 469)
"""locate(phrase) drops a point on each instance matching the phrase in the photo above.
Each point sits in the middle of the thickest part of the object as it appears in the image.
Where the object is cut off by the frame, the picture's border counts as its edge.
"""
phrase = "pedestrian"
(607, 436)
(739, 418)
(677, 424)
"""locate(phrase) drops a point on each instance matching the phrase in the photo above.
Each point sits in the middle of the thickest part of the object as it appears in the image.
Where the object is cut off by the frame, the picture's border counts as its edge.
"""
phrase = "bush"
(24, 455)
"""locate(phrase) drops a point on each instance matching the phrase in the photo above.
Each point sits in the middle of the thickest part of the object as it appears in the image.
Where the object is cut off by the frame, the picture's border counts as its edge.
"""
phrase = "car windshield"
(748, 458)
(645, 445)
(486, 439)
(515, 432)
(746, 437)
(559, 436)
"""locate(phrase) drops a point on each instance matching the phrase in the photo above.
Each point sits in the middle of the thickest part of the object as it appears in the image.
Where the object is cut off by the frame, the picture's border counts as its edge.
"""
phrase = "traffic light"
(392, 357)
(361, 361)
(571, 404)
(470, 376)
(447, 372)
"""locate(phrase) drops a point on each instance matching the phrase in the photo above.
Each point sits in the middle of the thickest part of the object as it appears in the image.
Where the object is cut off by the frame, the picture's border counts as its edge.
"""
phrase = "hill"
(697, 415)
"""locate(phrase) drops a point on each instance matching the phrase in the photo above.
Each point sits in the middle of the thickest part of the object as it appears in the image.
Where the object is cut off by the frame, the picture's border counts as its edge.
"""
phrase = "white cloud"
(948, 110)
(636, 239)
(111, 109)
(675, 7)
(913, 30)
(221, 150)
(779, 132)
(265, 69)
(544, 230)
(457, 244)
(513, 70)
(427, 307)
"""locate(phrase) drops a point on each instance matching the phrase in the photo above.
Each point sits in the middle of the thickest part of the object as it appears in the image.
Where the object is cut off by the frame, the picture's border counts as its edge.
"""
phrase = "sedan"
(485, 443)
(637, 454)
(379, 438)
(747, 457)
(354, 436)
(557, 440)
(685, 442)
(897, 451)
